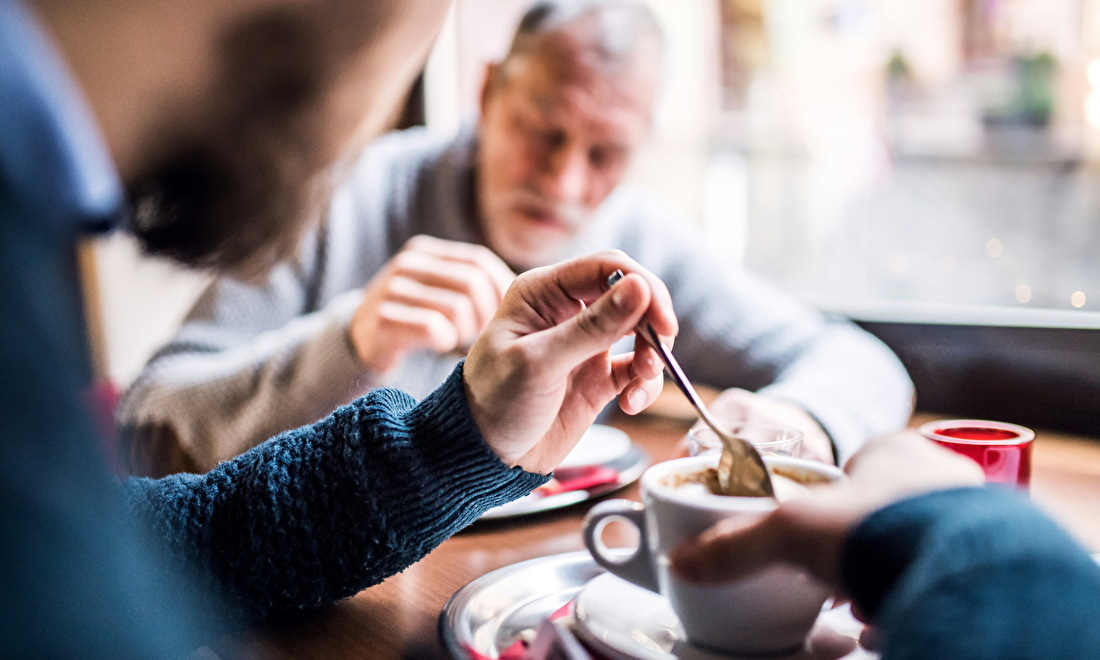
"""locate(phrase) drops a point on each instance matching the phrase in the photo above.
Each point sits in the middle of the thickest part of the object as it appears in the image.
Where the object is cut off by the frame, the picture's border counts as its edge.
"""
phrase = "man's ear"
(490, 85)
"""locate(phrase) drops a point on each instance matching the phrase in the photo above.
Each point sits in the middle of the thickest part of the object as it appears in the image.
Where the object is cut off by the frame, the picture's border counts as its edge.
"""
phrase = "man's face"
(556, 136)
(298, 90)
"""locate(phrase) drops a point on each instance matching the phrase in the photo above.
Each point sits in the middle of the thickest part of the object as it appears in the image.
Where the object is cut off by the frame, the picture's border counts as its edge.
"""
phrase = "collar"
(52, 152)
(457, 212)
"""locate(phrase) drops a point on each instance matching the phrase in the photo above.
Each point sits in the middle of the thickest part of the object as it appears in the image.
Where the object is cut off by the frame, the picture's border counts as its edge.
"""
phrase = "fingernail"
(638, 398)
(620, 298)
(624, 297)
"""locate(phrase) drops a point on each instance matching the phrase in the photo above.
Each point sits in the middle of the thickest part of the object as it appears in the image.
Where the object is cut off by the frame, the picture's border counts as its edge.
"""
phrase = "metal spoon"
(741, 470)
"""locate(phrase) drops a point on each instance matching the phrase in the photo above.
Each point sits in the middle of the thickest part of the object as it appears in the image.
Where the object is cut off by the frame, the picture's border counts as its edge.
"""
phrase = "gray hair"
(621, 29)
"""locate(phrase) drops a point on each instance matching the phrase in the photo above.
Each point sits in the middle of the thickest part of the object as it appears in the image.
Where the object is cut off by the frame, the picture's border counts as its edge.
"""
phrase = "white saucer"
(599, 445)
(627, 622)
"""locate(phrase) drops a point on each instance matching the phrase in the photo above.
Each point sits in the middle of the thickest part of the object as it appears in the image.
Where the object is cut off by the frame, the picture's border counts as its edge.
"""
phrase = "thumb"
(598, 326)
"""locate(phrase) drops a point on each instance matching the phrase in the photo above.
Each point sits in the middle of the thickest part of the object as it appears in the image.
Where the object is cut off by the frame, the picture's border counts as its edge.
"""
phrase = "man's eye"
(551, 138)
(603, 158)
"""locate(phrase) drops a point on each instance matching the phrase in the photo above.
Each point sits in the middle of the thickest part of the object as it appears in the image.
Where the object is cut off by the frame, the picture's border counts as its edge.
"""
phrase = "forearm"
(973, 573)
(213, 399)
(740, 332)
(850, 383)
(321, 512)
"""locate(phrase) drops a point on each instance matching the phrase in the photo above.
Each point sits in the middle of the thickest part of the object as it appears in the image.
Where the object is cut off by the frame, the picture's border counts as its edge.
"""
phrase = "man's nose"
(565, 176)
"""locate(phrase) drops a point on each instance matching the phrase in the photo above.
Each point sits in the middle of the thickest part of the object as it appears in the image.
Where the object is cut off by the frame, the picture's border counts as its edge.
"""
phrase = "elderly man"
(420, 244)
(202, 110)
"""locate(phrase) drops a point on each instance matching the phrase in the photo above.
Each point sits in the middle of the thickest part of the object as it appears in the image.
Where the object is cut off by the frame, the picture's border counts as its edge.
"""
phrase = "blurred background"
(930, 169)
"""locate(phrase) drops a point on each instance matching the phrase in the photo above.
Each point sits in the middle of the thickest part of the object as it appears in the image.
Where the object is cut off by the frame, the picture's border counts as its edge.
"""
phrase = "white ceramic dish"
(600, 445)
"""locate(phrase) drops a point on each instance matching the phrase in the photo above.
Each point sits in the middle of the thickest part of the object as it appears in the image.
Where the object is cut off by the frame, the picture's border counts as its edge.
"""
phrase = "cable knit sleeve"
(321, 512)
(974, 573)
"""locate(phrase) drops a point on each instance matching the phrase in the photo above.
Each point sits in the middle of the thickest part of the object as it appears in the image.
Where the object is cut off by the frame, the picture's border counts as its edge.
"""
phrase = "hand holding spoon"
(741, 470)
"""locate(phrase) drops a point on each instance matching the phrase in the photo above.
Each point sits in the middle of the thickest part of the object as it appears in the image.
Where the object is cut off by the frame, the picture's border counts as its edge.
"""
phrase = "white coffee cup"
(769, 612)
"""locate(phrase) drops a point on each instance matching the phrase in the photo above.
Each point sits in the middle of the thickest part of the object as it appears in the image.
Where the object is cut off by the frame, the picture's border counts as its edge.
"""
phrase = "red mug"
(1003, 450)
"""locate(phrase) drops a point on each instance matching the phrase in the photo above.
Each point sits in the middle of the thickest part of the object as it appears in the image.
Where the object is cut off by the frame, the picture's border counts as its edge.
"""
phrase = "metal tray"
(629, 466)
(492, 612)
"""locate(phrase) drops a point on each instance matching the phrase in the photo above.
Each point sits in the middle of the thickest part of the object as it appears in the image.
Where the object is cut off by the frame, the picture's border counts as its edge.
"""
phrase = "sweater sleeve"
(244, 366)
(321, 512)
(973, 574)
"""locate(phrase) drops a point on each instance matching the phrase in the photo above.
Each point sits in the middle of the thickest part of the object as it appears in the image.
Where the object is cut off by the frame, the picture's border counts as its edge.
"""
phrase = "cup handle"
(638, 567)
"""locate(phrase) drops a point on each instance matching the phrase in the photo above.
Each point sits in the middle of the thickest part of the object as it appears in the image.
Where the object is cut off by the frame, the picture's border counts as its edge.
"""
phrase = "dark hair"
(237, 194)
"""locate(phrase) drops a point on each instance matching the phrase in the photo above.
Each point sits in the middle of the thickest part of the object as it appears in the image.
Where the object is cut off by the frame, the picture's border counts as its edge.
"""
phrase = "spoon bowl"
(741, 470)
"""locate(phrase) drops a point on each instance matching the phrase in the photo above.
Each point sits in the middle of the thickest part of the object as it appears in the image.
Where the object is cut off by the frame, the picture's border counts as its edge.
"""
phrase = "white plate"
(600, 444)
(629, 467)
(627, 622)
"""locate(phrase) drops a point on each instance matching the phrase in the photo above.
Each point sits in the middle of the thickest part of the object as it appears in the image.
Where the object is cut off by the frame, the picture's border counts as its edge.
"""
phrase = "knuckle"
(419, 242)
(614, 254)
(404, 260)
(441, 331)
(522, 358)
(594, 324)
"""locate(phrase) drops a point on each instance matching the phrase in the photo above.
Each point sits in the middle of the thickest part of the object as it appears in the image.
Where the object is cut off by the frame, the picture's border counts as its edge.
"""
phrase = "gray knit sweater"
(252, 360)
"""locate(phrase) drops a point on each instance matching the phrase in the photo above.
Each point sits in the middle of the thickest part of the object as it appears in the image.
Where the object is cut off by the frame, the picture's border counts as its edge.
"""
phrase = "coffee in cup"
(769, 612)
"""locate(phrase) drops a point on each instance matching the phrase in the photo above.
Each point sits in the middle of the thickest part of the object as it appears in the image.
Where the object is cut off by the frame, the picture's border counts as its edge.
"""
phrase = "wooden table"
(399, 618)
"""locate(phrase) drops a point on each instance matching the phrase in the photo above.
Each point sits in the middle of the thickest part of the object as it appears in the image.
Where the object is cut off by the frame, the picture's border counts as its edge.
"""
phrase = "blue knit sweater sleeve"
(974, 574)
(321, 512)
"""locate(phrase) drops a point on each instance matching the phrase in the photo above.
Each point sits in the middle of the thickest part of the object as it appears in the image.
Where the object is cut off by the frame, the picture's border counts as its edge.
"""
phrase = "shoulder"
(407, 150)
(646, 226)
(394, 174)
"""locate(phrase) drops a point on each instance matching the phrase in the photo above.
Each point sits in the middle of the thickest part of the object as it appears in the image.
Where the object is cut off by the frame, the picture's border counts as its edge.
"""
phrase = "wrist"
(370, 355)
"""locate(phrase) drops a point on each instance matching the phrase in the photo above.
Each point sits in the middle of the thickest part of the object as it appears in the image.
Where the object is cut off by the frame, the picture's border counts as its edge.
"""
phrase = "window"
(931, 169)
(874, 156)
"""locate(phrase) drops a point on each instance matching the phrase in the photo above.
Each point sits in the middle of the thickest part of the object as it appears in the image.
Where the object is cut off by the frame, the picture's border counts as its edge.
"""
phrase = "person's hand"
(810, 532)
(542, 370)
(433, 294)
(741, 406)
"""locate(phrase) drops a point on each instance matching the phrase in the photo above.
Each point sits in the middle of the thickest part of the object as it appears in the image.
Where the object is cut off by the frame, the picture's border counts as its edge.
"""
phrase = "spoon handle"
(752, 474)
(651, 337)
(678, 376)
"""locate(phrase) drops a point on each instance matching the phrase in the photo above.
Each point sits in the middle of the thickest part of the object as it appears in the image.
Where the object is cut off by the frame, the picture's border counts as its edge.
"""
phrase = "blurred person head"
(228, 120)
(562, 115)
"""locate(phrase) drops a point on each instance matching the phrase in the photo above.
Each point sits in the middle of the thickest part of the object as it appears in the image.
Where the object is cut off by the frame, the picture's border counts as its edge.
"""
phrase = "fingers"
(828, 644)
(585, 279)
(869, 638)
(595, 328)
(418, 327)
(638, 378)
(576, 332)
(808, 533)
(475, 255)
(730, 549)
(433, 294)
(459, 311)
(542, 370)
(736, 406)
(903, 464)
(730, 405)
(466, 292)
